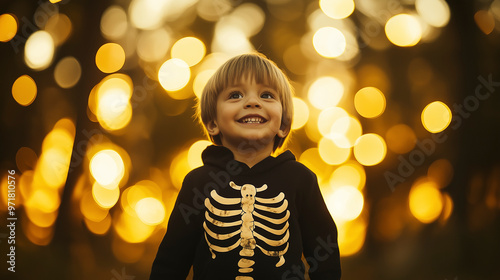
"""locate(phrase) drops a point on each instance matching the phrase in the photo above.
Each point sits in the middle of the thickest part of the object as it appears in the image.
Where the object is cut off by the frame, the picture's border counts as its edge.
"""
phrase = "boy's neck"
(250, 155)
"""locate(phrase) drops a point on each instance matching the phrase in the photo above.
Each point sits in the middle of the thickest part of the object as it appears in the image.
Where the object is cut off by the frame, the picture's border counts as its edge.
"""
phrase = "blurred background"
(396, 111)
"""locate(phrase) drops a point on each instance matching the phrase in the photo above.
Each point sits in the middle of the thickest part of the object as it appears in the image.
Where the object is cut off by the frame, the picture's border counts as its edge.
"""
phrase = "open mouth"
(252, 119)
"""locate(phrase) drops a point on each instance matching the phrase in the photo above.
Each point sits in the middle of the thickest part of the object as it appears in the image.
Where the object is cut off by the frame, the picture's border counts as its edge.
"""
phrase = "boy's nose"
(252, 102)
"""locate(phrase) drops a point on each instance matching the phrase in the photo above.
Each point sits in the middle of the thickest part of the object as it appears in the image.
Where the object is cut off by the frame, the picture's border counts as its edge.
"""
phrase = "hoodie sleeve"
(319, 233)
(177, 250)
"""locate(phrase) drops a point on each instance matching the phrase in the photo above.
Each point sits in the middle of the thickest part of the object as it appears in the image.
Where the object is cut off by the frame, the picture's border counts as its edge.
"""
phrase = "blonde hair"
(258, 67)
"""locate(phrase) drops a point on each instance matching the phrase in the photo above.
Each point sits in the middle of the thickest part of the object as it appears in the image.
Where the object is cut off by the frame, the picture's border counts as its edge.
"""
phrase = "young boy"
(246, 214)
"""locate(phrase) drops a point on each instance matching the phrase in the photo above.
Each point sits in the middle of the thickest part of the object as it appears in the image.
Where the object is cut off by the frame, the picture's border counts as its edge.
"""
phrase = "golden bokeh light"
(39, 217)
(329, 42)
(131, 229)
(110, 57)
(249, 17)
(100, 227)
(441, 172)
(46, 200)
(300, 113)
(436, 116)
(345, 131)
(107, 168)
(105, 197)
(8, 27)
(194, 153)
(230, 39)
(153, 45)
(24, 90)
(91, 210)
(41, 236)
(328, 117)
(331, 153)
(201, 80)
(400, 138)
(112, 102)
(369, 102)
(54, 163)
(447, 207)
(425, 201)
(26, 159)
(403, 30)
(59, 27)
(114, 23)
(142, 189)
(150, 211)
(312, 159)
(189, 49)
(179, 168)
(433, 12)
(325, 92)
(67, 72)
(345, 203)
(348, 174)
(370, 149)
(351, 237)
(337, 9)
(147, 14)
(485, 21)
(174, 74)
(39, 50)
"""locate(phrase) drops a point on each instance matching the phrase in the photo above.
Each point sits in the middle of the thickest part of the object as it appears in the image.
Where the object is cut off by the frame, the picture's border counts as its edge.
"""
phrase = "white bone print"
(247, 206)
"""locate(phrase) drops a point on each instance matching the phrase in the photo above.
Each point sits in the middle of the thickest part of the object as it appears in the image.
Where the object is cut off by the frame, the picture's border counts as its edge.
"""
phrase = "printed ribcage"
(248, 222)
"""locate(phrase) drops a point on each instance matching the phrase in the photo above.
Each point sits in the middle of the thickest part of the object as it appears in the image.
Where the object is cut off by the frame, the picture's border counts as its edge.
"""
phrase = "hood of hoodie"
(220, 156)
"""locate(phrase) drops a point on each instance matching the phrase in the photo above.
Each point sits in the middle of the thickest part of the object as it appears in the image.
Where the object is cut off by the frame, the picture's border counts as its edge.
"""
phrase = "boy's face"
(248, 113)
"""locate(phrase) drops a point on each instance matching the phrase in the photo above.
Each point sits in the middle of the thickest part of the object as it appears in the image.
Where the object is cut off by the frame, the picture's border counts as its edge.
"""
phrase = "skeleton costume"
(235, 222)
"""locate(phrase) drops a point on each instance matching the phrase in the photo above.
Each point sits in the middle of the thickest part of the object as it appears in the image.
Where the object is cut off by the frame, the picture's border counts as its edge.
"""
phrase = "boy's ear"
(284, 130)
(212, 128)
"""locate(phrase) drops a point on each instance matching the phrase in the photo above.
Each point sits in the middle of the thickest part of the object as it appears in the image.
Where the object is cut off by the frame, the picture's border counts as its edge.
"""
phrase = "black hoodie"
(230, 220)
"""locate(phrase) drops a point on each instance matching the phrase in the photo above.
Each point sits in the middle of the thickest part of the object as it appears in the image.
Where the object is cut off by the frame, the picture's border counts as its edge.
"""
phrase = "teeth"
(252, 120)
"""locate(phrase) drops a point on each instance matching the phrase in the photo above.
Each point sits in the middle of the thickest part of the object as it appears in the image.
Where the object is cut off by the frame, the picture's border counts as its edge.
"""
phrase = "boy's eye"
(267, 95)
(235, 95)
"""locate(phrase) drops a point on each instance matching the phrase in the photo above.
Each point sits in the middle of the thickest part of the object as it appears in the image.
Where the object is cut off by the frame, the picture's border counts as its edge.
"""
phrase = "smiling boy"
(257, 214)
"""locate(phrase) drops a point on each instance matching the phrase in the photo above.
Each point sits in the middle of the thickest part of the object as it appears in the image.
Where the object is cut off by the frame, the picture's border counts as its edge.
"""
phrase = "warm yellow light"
(248, 17)
(348, 174)
(345, 203)
(114, 22)
(54, 165)
(329, 42)
(351, 237)
(337, 9)
(485, 21)
(59, 27)
(433, 12)
(447, 206)
(8, 27)
(150, 211)
(441, 172)
(201, 80)
(400, 138)
(90, 209)
(300, 113)
(312, 159)
(106, 197)
(131, 229)
(325, 92)
(425, 201)
(107, 168)
(39, 50)
(153, 45)
(24, 90)
(113, 109)
(148, 14)
(369, 102)
(179, 169)
(99, 228)
(194, 153)
(39, 217)
(331, 153)
(403, 30)
(174, 75)
(67, 72)
(230, 39)
(189, 49)
(345, 131)
(436, 117)
(370, 149)
(328, 117)
(110, 58)
(46, 200)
